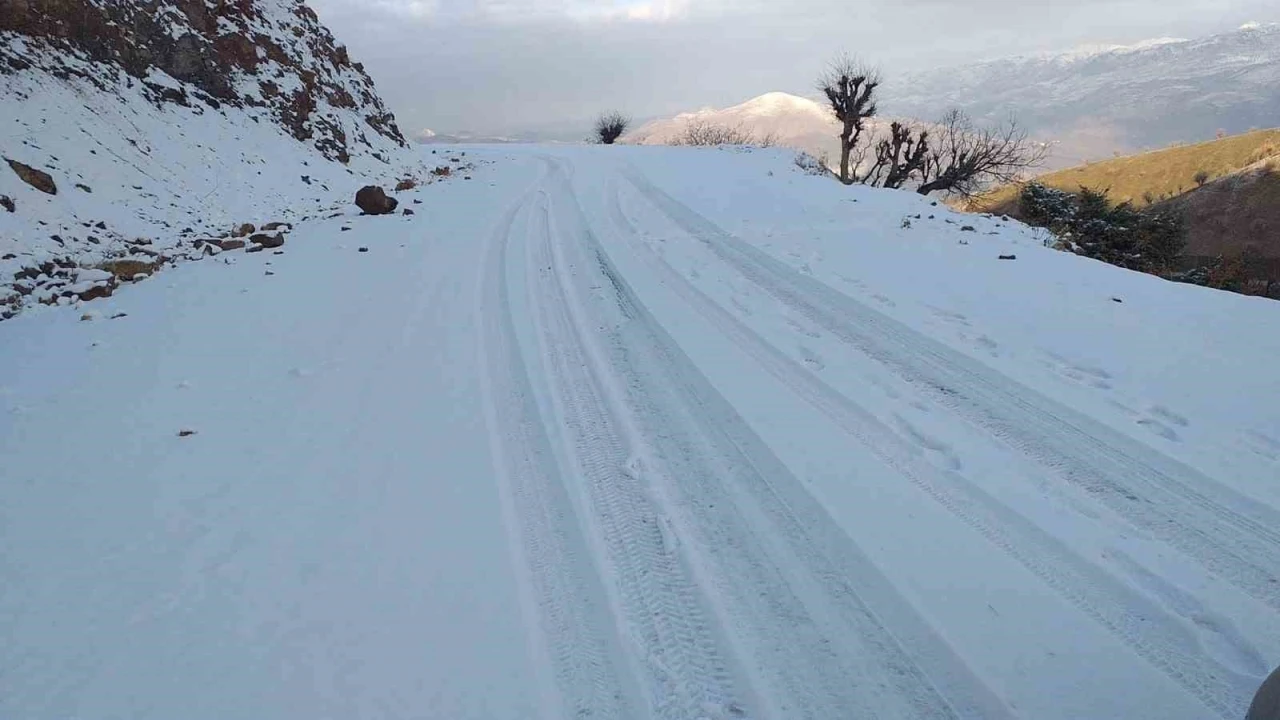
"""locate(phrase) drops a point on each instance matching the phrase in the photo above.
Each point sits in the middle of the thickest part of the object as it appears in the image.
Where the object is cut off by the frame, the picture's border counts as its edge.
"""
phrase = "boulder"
(273, 226)
(267, 241)
(245, 230)
(406, 184)
(37, 179)
(373, 200)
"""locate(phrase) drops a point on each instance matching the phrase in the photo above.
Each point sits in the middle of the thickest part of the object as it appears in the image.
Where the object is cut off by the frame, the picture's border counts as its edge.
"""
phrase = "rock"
(85, 188)
(968, 228)
(8, 256)
(37, 179)
(373, 200)
(363, 249)
(407, 211)
(268, 273)
(103, 226)
(88, 316)
(254, 249)
(245, 230)
(344, 228)
(406, 184)
(442, 171)
(416, 201)
(186, 433)
(268, 241)
(6, 202)
(1116, 299)
(119, 315)
(1008, 257)
(272, 226)
(228, 244)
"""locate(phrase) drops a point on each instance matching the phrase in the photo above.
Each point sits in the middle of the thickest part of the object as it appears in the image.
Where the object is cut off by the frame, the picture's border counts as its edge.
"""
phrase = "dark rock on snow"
(373, 200)
(268, 241)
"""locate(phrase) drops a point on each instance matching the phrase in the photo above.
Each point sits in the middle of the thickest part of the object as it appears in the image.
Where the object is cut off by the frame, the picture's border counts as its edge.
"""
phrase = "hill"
(792, 121)
(1158, 175)
(1094, 101)
(159, 124)
(1237, 206)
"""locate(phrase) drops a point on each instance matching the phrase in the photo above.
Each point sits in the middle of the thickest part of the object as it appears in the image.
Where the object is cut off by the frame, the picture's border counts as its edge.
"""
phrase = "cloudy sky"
(501, 66)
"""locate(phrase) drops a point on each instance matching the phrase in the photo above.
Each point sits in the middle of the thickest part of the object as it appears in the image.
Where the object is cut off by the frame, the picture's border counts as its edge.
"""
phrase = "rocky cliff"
(265, 55)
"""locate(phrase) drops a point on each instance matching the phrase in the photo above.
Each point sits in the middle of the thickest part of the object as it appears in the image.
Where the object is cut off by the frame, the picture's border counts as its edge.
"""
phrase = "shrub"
(610, 126)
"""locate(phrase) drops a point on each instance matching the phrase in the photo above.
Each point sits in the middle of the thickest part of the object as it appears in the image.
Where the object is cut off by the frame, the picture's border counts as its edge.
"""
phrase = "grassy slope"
(1163, 173)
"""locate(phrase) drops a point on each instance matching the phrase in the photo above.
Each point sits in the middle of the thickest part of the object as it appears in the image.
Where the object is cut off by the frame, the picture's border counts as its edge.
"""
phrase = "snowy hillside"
(1096, 100)
(160, 126)
(793, 121)
(637, 432)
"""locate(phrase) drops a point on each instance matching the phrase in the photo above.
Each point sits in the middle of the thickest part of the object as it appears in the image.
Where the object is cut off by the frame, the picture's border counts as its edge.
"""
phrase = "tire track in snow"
(1234, 537)
(1145, 626)
(821, 631)
(685, 675)
(561, 598)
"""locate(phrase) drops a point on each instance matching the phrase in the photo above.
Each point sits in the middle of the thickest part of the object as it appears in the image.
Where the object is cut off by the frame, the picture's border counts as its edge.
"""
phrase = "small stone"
(119, 315)
(186, 433)
(1008, 257)
(1116, 299)
(968, 228)
(6, 202)
(83, 187)
(407, 211)
(363, 249)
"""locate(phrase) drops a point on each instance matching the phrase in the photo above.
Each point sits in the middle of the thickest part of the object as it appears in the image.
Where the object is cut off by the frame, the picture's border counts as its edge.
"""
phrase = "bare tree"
(850, 88)
(963, 159)
(703, 133)
(899, 157)
(610, 126)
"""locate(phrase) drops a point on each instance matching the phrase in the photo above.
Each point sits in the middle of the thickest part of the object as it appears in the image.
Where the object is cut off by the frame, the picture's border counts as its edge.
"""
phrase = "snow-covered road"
(639, 433)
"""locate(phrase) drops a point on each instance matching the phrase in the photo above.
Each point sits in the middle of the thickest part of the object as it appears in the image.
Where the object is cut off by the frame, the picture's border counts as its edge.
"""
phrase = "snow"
(642, 432)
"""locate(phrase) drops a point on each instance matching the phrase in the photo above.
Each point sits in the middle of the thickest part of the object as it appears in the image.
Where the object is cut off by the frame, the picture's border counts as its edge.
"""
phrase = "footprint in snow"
(1159, 428)
(812, 359)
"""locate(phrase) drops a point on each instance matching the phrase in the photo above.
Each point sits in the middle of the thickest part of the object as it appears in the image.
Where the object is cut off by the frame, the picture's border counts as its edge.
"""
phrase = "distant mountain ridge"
(1094, 101)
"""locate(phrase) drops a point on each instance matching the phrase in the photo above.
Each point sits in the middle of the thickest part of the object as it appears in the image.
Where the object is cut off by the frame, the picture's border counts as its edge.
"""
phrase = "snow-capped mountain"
(1096, 100)
(793, 121)
(158, 124)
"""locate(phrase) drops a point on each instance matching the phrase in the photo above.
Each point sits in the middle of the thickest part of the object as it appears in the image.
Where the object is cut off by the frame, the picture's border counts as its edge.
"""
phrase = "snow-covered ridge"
(272, 56)
(161, 126)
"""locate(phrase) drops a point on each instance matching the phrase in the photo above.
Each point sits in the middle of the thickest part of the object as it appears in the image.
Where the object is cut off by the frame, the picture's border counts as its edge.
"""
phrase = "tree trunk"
(844, 163)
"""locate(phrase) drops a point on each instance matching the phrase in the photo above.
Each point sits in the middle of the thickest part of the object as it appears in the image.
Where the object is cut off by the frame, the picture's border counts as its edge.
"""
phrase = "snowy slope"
(140, 156)
(1094, 101)
(793, 121)
(638, 432)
